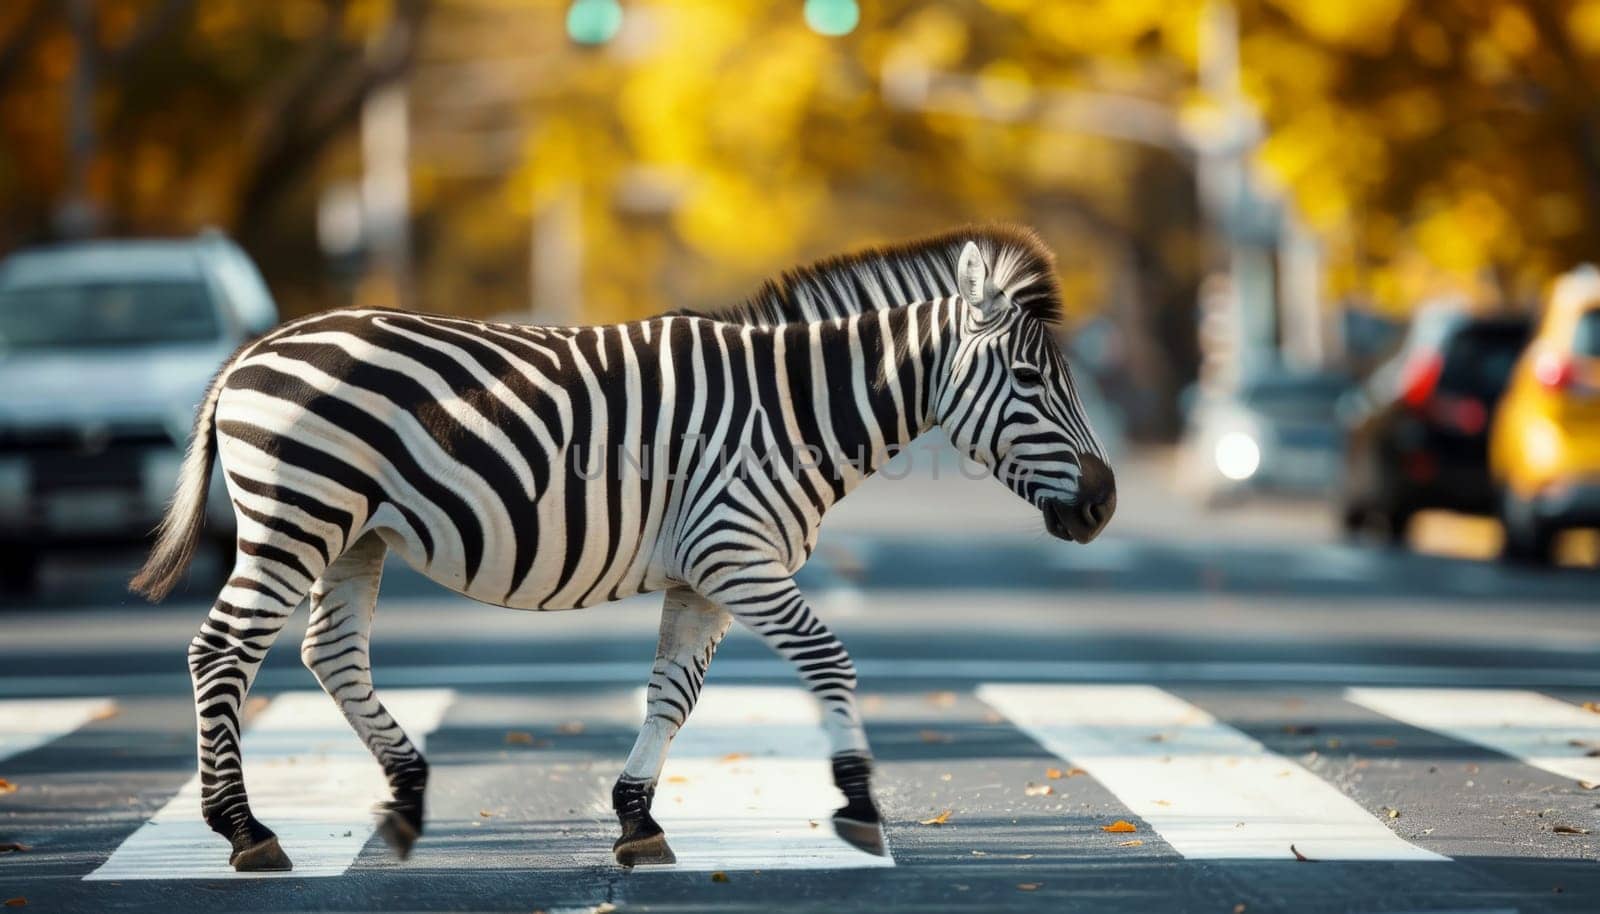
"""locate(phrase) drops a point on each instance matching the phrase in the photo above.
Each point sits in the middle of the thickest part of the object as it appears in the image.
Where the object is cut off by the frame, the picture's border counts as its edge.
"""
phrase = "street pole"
(386, 189)
(76, 216)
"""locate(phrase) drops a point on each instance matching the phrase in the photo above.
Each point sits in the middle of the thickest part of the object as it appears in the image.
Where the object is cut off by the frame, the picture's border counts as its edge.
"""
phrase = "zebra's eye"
(1027, 376)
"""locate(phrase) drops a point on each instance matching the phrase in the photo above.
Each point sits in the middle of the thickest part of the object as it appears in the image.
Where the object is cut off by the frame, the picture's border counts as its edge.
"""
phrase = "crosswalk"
(747, 786)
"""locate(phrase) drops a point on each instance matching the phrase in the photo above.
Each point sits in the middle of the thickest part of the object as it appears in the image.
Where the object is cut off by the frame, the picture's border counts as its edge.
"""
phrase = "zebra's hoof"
(398, 832)
(263, 856)
(646, 850)
(864, 836)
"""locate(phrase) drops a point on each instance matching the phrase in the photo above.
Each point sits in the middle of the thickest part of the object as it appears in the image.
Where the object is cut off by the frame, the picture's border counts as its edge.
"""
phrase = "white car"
(106, 348)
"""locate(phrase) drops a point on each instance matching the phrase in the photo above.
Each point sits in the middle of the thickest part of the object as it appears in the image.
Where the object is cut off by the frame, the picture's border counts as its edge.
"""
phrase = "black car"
(1418, 429)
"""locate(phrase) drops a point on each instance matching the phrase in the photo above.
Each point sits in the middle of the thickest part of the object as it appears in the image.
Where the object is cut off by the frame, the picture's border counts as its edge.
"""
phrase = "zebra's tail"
(180, 526)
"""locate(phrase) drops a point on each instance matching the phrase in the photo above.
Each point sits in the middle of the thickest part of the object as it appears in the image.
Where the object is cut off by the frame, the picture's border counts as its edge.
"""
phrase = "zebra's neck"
(862, 389)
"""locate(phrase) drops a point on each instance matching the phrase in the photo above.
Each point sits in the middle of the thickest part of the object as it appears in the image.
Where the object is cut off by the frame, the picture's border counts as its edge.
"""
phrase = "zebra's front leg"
(770, 605)
(337, 650)
(691, 628)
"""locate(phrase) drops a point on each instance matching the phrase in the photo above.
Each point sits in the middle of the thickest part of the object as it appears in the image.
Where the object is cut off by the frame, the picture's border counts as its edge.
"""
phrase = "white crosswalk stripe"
(1208, 790)
(747, 786)
(27, 724)
(1536, 729)
(309, 776)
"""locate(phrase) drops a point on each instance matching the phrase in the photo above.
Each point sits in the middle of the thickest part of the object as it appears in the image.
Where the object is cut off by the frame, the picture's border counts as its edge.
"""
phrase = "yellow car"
(1544, 448)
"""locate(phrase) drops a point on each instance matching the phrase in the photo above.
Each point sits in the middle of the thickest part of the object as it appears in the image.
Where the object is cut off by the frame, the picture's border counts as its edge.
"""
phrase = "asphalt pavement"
(1168, 719)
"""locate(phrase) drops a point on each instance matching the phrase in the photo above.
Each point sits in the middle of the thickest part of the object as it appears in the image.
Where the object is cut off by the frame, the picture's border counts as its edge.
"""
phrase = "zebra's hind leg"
(769, 604)
(266, 586)
(691, 629)
(336, 650)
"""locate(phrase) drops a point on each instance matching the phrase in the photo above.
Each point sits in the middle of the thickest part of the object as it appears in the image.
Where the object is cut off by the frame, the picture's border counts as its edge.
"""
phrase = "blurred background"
(1322, 261)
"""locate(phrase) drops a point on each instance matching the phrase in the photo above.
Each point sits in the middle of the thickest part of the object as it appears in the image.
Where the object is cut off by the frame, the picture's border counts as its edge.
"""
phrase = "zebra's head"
(1009, 401)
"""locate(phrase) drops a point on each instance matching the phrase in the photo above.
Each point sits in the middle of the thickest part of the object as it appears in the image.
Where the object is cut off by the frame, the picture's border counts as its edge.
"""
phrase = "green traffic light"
(593, 22)
(832, 17)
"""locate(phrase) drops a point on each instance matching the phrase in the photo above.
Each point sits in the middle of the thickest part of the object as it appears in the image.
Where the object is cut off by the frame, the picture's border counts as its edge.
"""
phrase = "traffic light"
(593, 22)
(832, 17)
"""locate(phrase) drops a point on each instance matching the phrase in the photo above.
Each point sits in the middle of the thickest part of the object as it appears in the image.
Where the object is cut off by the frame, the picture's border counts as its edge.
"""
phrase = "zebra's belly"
(538, 592)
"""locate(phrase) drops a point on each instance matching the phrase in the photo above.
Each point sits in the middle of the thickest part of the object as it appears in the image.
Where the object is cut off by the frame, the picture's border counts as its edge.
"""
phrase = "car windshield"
(106, 314)
(1586, 341)
(1479, 359)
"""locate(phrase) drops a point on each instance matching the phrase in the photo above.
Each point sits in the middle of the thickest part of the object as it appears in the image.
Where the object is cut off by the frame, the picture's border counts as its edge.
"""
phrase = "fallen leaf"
(1569, 830)
(1053, 774)
(17, 902)
(1299, 856)
(1393, 813)
(571, 728)
(106, 713)
(1592, 706)
(941, 699)
(1162, 802)
(1589, 785)
(486, 814)
(939, 819)
(1037, 790)
(1074, 772)
(1028, 886)
(7, 787)
(677, 779)
(933, 736)
(1121, 826)
(14, 847)
(1157, 737)
(719, 876)
(735, 757)
(519, 738)
(1136, 842)
(1385, 742)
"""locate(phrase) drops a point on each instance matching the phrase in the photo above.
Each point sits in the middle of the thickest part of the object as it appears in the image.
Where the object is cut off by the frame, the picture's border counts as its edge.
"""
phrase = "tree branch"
(151, 29)
(23, 39)
(324, 99)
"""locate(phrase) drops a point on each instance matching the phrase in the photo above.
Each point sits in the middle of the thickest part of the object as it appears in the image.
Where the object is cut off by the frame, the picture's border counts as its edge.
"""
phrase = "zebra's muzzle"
(1082, 518)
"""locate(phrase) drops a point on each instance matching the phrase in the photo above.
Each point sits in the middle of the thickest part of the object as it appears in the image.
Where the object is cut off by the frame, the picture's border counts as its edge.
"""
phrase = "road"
(1227, 685)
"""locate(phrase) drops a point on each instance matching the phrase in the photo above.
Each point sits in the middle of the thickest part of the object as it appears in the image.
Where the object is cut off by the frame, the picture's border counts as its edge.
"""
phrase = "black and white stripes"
(556, 468)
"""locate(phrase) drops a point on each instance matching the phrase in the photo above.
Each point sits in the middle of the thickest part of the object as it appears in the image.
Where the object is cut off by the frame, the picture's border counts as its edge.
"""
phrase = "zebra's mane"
(914, 271)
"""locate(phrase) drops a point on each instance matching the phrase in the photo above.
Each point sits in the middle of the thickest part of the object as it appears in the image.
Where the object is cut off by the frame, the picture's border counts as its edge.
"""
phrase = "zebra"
(467, 449)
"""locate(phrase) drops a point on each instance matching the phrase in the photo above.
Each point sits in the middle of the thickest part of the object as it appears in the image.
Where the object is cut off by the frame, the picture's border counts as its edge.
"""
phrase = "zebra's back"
(487, 455)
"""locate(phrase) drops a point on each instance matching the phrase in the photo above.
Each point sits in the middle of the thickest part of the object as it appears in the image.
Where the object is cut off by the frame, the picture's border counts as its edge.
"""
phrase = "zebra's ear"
(972, 277)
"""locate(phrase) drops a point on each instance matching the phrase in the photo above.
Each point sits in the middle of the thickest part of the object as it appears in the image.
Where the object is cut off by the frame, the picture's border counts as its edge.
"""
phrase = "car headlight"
(1237, 455)
(159, 474)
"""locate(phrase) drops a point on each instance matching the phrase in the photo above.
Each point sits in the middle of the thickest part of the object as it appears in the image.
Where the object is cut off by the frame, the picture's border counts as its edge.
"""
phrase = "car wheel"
(1352, 520)
(1396, 524)
(1527, 538)
(19, 571)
